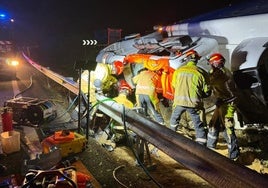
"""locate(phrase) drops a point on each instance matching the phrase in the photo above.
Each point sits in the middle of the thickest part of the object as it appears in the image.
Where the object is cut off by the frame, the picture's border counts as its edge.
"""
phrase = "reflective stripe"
(174, 125)
(212, 137)
(145, 87)
(186, 98)
(202, 140)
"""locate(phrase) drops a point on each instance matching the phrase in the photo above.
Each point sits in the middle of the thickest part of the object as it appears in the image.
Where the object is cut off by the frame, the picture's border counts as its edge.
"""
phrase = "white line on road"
(15, 88)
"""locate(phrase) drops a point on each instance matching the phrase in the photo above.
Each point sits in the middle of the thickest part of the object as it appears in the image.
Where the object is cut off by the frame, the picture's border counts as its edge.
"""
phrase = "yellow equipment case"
(67, 146)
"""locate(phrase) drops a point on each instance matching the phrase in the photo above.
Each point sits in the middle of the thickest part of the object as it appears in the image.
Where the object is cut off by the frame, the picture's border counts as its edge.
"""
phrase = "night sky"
(56, 28)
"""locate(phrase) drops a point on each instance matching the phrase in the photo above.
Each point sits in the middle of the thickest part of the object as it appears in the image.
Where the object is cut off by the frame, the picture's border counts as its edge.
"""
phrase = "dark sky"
(65, 16)
(59, 26)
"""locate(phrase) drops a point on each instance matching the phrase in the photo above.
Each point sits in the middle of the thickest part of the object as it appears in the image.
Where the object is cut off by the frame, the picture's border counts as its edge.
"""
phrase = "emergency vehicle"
(8, 53)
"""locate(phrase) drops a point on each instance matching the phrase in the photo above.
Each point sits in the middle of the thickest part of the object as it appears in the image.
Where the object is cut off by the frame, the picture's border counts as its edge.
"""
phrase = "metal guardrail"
(213, 167)
(63, 81)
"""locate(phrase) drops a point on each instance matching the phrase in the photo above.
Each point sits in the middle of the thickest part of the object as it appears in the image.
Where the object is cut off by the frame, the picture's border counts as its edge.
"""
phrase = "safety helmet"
(117, 67)
(192, 55)
(123, 85)
(216, 60)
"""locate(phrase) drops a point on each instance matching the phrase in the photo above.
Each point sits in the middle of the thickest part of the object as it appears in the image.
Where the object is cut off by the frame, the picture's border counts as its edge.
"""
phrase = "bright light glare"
(14, 63)
(2, 15)
(160, 29)
(101, 72)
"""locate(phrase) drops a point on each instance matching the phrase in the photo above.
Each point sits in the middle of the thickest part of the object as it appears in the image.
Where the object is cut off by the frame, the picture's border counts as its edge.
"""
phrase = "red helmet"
(118, 67)
(216, 60)
(192, 55)
(123, 85)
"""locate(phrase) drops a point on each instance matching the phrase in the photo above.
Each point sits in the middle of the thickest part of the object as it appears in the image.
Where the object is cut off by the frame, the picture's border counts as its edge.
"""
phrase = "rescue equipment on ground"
(43, 161)
(7, 119)
(67, 141)
(33, 110)
(63, 177)
(10, 141)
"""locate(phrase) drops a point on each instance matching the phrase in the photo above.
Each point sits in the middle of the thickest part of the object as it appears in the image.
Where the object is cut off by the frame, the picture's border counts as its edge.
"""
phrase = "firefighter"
(223, 88)
(102, 79)
(115, 129)
(125, 91)
(146, 93)
(105, 74)
(191, 85)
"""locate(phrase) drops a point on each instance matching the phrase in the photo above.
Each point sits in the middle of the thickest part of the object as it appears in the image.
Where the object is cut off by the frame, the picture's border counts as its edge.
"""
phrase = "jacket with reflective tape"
(146, 82)
(155, 63)
(222, 83)
(191, 85)
(122, 99)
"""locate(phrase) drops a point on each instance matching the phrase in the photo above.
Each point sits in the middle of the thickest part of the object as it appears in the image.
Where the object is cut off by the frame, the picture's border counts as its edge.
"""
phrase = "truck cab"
(250, 71)
(8, 53)
(8, 60)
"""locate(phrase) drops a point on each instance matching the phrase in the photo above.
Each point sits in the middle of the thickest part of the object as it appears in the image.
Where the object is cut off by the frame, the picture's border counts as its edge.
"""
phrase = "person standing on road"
(223, 88)
(146, 93)
(190, 85)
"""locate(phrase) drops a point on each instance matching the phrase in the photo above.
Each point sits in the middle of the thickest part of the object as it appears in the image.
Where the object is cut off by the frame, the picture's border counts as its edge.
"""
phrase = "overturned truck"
(244, 47)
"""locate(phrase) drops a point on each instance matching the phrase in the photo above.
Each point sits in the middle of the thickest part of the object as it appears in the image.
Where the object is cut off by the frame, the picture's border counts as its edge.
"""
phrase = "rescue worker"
(102, 79)
(191, 85)
(146, 82)
(124, 90)
(223, 88)
(116, 129)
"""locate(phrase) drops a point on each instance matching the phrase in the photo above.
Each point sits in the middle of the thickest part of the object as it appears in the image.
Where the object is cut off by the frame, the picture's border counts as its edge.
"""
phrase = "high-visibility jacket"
(146, 82)
(122, 99)
(154, 63)
(166, 79)
(223, 87)
(101, 72)
(150, 62)
(222, 83)
(191, 85)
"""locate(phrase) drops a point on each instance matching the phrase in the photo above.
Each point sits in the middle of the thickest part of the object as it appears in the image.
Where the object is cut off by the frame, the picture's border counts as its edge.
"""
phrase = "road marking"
(15, 88)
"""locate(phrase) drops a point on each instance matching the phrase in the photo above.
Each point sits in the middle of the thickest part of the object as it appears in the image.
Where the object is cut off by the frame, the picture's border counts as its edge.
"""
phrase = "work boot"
(173, 128)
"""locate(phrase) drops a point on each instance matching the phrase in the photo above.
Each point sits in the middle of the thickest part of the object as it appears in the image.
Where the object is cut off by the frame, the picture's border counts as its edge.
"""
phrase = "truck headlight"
(13, 62)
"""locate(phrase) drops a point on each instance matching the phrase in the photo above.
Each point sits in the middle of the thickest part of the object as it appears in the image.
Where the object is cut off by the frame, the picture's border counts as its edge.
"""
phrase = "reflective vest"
(166, 79)
(122, 99)
(190, 85)
(146, 82)
(101, 72)
(154, 63)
